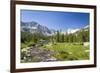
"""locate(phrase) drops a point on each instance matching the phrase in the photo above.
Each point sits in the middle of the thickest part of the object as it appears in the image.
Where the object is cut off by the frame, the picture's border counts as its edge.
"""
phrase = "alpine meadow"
(48, 36)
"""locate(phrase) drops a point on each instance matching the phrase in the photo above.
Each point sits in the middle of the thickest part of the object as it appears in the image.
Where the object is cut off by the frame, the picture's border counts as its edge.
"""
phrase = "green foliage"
(31, 44)
(69, 51)
(23, 45)
(80, 36)
(62, 55)
(28, 39)
(62, 38)
(65, 46)
(23, 55)
(57, 37)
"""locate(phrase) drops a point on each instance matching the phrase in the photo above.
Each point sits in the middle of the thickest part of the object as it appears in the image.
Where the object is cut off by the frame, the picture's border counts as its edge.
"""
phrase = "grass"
(68, 51)
(27, 44)
(63, 51)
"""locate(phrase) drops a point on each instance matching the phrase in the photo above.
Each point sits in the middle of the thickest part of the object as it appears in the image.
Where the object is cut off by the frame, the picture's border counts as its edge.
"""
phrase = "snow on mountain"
(72, 30)
(78, 29)
(86, 26)
(34, 27)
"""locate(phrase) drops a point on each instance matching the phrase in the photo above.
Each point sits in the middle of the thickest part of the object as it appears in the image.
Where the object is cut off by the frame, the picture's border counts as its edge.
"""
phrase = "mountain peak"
(34, 27)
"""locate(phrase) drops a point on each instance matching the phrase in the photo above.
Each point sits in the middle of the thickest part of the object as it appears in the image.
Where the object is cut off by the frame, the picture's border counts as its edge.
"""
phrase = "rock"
(70, 53)
(86, 50)
(86, 44)
(37, 54)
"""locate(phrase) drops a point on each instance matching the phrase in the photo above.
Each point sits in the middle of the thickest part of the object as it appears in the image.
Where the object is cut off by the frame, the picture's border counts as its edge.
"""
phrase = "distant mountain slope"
(72, 31)
(34, 27)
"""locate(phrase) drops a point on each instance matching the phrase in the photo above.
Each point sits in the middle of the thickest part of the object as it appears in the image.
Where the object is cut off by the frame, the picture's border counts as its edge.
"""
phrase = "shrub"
(31, 44)
(71, 57)
(23, 45)
(62, 55)
(23, 55)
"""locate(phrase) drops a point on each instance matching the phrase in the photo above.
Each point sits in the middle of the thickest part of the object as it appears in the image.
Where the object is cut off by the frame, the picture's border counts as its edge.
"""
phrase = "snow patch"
(72, 30)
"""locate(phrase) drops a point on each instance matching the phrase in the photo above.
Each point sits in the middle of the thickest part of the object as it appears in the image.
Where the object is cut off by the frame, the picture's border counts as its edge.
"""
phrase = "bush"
(31, 44)
(23, 55)
(71, 57)
(62, 55)
(23, 45)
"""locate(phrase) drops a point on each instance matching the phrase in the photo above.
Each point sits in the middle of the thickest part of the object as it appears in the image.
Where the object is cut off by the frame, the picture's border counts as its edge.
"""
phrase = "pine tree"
(66, 37)
(62, 38)
(58, 36)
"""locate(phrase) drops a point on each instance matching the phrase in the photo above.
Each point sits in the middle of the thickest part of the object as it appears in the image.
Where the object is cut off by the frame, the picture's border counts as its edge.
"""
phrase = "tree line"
(80, 36)
(58, 37)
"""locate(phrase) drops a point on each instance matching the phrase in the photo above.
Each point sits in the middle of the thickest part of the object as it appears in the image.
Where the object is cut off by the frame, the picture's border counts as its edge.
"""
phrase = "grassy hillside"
(69, 51)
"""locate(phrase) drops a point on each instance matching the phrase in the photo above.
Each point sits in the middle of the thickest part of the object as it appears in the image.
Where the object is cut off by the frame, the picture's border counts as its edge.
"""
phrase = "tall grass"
(68, 51)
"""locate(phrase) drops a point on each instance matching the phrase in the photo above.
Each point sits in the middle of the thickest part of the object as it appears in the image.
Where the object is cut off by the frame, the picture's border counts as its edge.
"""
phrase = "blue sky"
(56, 20)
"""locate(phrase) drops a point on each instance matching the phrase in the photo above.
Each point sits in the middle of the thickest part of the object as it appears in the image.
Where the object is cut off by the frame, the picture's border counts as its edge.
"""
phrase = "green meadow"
(69, 51)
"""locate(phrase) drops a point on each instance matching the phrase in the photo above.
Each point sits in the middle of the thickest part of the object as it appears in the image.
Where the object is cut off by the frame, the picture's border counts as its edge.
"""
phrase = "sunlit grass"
(69, 51)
